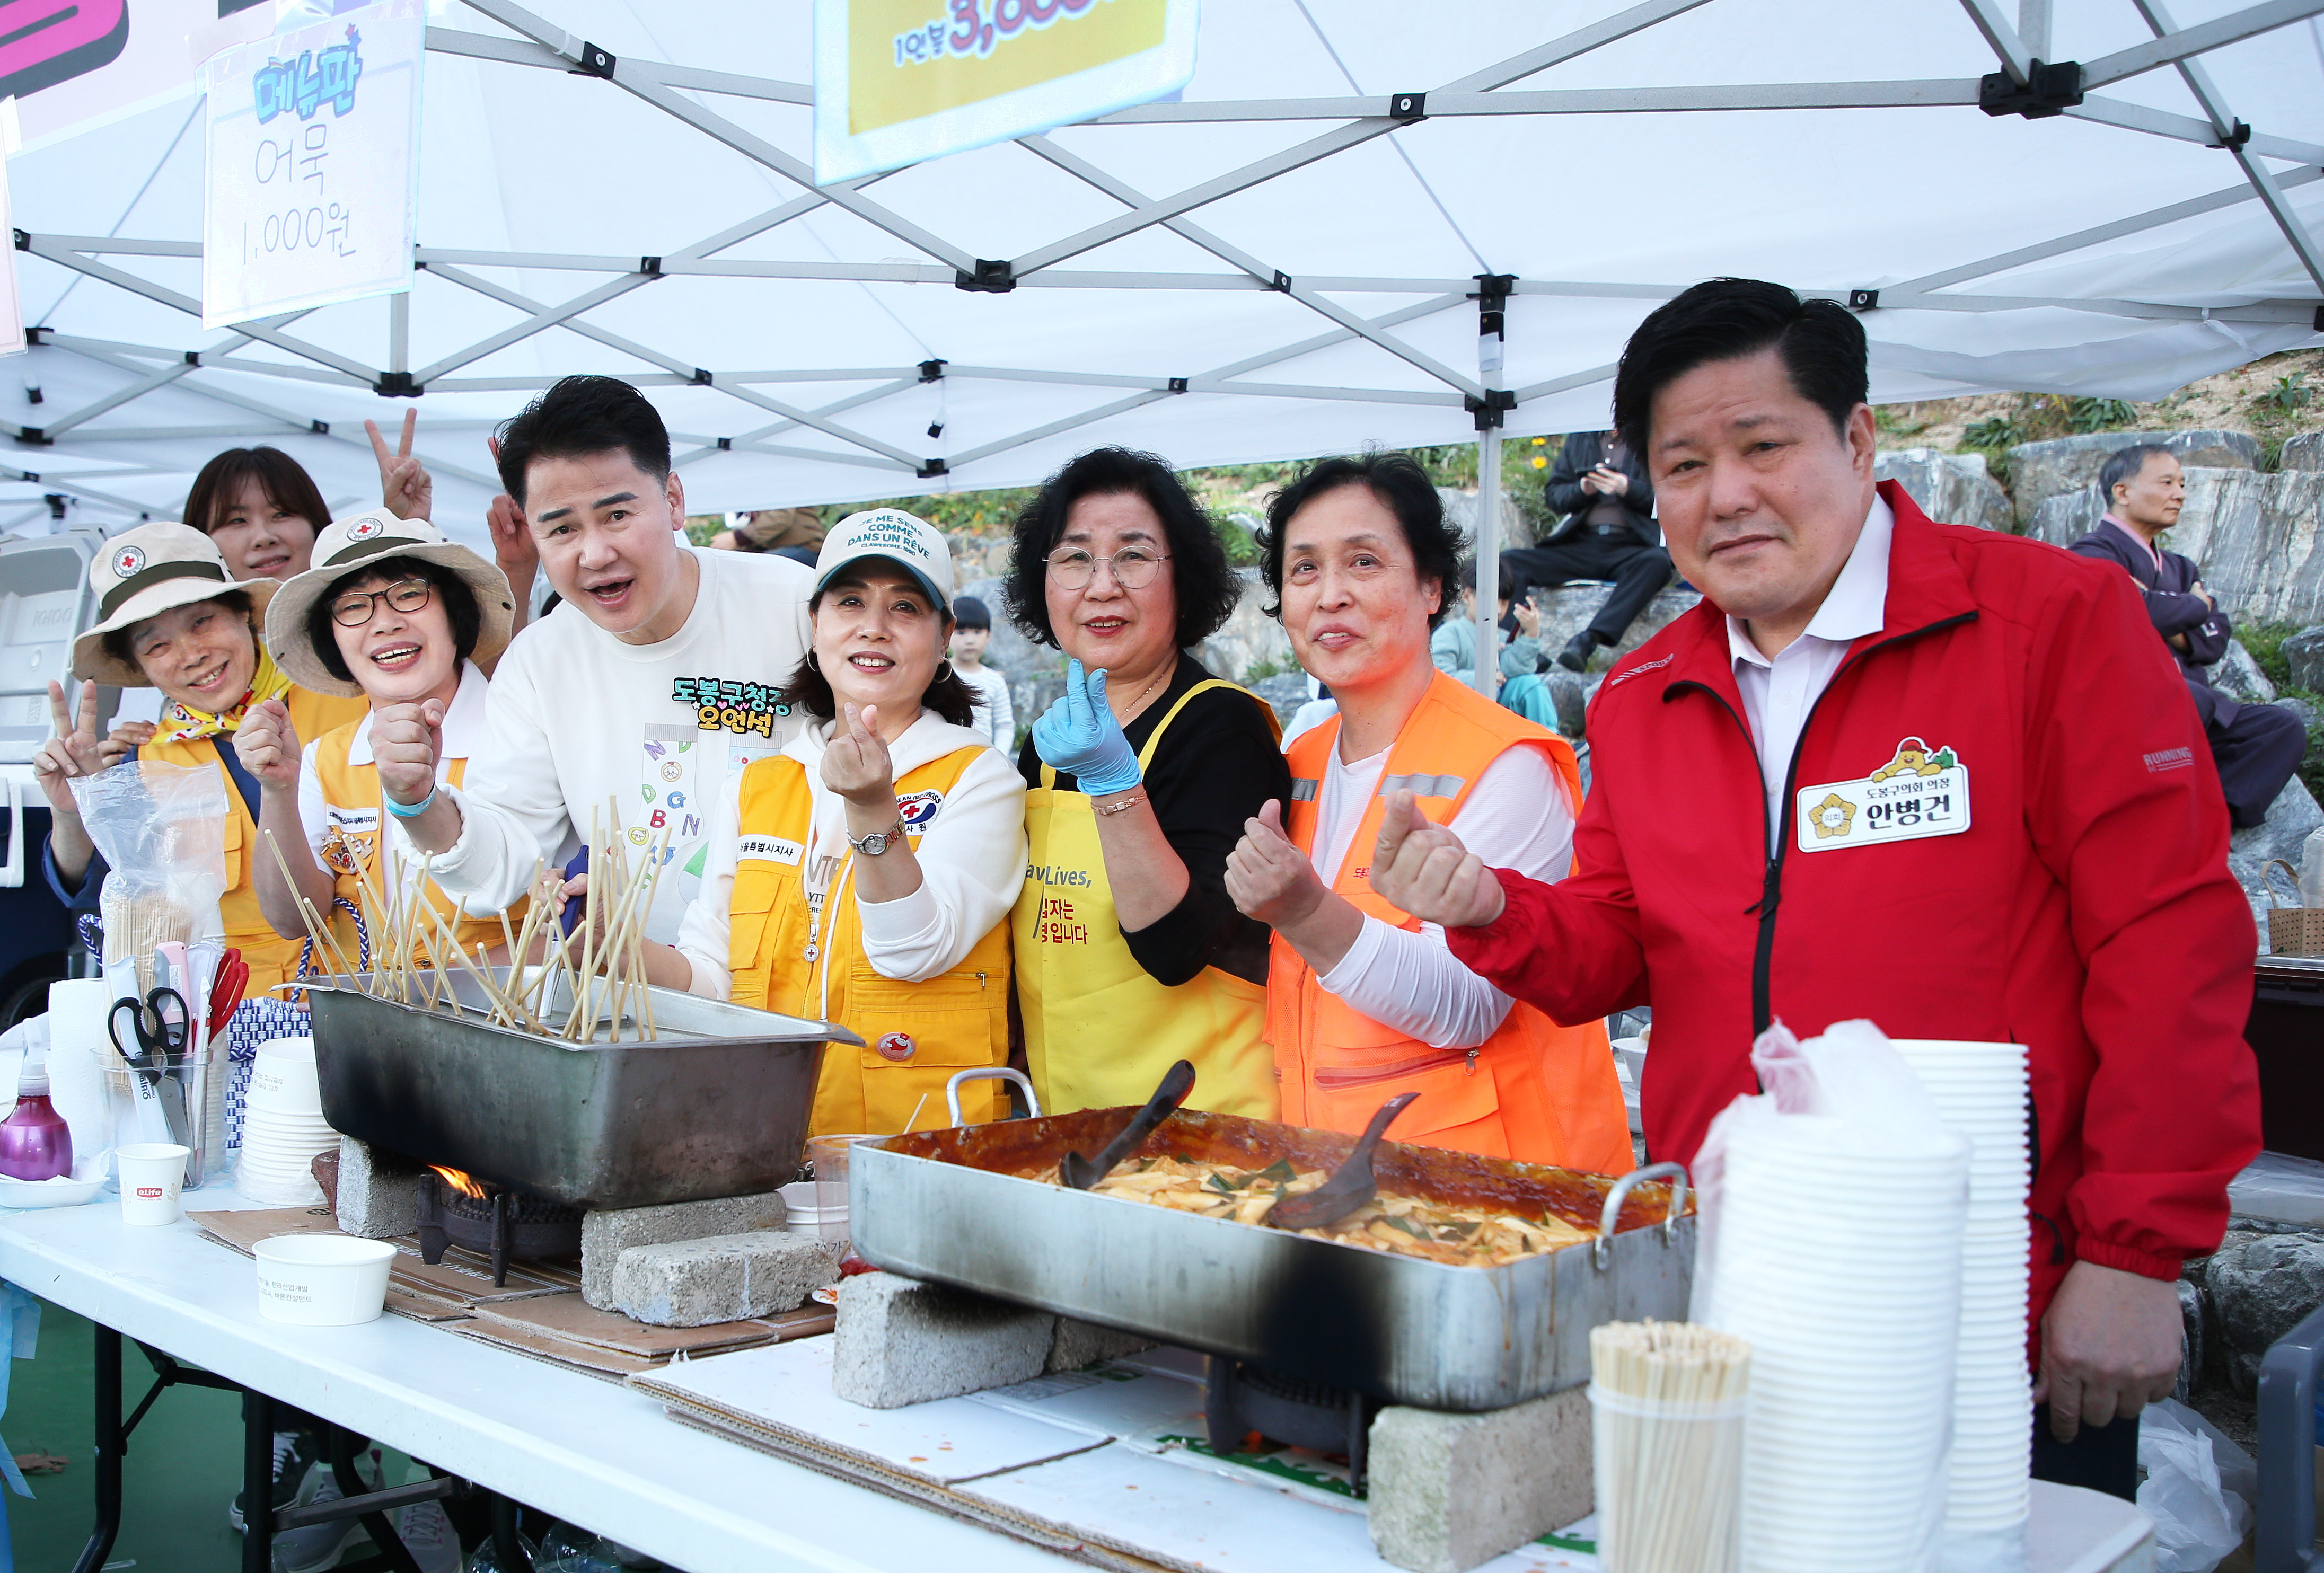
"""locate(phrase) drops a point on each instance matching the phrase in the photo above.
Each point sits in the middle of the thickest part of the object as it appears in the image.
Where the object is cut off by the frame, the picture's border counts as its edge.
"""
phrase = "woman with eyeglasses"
(394, 614)
(1130, 953)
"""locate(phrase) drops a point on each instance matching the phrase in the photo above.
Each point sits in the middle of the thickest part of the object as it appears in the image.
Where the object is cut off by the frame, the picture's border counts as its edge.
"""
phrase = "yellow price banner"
(897, 81)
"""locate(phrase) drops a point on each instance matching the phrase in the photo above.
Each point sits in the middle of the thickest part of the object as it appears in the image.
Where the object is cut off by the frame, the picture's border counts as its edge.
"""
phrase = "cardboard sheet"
(573, 1319)
(1108, 1474)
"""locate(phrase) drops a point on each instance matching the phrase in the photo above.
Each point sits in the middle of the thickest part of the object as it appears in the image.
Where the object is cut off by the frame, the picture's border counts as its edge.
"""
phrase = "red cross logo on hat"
(128, 560)
(365, 528)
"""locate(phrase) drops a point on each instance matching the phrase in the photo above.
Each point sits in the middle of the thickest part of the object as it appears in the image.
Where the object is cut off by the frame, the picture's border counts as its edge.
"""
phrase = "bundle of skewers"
(568, 987)
(1667, 1401)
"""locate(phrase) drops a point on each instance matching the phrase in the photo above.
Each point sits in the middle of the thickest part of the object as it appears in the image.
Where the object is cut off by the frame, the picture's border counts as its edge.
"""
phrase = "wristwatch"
(879, 840)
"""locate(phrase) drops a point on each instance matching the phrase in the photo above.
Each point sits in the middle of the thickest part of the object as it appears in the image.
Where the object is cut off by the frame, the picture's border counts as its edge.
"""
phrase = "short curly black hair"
(1405, 489)
(1207, 588)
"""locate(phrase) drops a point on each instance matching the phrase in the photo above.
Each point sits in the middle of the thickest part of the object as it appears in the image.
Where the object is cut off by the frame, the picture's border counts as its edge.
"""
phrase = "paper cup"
(152, 1175)
(322, 1279)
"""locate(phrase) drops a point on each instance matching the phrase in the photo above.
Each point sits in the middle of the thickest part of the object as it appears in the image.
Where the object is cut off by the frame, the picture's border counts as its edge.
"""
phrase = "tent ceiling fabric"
(1300, 256)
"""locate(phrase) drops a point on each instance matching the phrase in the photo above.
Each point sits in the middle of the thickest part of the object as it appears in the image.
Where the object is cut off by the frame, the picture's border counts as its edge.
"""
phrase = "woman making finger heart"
(864, 874)
(396, 615)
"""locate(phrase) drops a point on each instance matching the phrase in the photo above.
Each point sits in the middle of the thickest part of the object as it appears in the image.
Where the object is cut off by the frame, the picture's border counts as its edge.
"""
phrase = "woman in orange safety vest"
(1363, 1002)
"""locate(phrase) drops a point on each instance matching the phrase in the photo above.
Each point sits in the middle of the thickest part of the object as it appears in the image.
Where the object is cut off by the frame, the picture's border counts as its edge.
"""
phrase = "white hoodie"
(971, 859)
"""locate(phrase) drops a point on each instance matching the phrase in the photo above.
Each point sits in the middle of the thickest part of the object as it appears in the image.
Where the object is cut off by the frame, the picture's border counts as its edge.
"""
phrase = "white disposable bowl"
(322, 1279)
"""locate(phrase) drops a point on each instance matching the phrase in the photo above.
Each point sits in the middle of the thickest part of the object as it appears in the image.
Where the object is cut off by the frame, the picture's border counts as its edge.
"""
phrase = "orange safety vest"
(353, 811)
(915, 1035)
(1534, 1091)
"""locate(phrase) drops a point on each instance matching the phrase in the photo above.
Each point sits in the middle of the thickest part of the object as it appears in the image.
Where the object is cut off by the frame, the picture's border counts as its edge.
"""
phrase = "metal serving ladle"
(1352, 1184)
(1082, 1174)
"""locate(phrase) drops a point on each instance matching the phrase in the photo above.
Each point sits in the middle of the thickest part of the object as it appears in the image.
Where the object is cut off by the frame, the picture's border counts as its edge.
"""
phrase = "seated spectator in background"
(972, 632)
(1608, 533)
(1454, 649)
(2256, 746)
(1363, 1002)
(796, 533)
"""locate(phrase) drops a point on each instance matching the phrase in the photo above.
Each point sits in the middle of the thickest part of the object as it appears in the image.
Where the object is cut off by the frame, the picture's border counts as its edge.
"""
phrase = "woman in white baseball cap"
(395, 614)
(865, 874)
(172, 616)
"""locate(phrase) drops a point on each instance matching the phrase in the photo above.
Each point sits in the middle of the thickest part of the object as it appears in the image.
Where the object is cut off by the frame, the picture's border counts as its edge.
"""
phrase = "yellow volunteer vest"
(271, 958)
(915, 1035)
(312, 715)
(1099, 1029)
(1534, 1091)
(353, 813)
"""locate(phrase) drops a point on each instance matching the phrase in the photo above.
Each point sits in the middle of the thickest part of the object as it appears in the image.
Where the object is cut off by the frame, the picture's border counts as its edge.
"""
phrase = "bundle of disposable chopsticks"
(1667, 1427)
(600, 969)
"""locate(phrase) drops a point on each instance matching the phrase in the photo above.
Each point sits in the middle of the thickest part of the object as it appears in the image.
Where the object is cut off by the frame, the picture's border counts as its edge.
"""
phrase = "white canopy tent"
(1287, 263)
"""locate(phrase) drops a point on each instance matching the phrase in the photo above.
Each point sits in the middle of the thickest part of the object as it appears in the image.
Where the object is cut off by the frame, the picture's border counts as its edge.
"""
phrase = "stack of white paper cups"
(1980, 1090)
(1839, 1260)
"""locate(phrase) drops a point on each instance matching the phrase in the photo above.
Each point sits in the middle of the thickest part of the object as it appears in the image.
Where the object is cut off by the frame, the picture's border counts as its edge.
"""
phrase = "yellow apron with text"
(788, 956)
(1099, 1029)
(271, 958)
(353, 813)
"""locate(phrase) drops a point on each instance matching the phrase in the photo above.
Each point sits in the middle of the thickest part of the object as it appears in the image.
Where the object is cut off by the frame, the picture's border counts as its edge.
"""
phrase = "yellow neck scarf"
(182, 723)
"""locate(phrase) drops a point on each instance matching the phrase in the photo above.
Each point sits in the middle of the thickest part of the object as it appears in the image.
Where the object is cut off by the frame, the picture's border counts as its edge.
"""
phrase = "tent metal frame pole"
(2100, 110)
(1933, 93)
(2197, 78)
(2033, 27)
(643, 84)
(630, 348)
(1492, 339)
(2175, 46)
(2007, 46)
(2137, 223)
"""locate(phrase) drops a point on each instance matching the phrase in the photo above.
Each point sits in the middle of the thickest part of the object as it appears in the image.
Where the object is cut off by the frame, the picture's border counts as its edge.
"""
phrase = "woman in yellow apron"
(864, 874)
(170, 617)
(395, 615)
(1130, 955)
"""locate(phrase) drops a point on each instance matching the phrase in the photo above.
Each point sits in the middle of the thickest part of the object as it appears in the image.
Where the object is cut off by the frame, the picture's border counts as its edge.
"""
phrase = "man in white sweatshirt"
(628, 707)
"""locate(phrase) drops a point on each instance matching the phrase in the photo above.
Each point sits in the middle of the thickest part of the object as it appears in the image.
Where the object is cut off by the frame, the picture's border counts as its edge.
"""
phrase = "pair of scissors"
(159, 1023)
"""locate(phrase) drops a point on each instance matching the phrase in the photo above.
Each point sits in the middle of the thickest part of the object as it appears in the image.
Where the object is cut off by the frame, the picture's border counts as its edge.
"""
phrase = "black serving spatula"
(1082, 1174)
(1350, 1185)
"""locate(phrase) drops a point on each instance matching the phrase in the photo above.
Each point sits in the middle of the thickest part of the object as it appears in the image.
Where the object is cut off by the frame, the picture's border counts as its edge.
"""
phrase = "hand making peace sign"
(405, 488)
(75, 750)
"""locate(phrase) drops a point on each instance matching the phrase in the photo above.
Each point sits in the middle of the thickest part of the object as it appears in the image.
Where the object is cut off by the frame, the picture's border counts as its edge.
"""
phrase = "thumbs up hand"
(1425, 869)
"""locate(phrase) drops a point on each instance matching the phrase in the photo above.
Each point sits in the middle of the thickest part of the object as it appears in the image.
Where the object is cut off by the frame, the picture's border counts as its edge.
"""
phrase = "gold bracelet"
(1137, 796)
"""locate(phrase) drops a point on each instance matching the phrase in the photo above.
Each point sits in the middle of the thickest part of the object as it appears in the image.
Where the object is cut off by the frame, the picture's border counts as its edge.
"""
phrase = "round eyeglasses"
(1132, 567)
(354, 609)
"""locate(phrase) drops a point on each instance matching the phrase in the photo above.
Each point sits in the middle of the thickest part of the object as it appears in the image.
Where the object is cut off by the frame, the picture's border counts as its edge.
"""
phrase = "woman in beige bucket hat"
(172, 616)
(396, 614)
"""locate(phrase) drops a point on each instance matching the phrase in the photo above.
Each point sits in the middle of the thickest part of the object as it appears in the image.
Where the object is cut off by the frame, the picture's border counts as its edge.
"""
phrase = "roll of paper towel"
(78, 1050)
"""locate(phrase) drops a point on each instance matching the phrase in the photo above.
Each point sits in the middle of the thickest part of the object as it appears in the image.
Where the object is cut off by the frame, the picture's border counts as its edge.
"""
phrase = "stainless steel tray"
(945, 1206)
(716, 1105)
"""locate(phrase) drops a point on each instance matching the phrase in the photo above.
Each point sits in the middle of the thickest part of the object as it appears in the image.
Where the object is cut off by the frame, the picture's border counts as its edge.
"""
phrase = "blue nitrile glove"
(1078, 737)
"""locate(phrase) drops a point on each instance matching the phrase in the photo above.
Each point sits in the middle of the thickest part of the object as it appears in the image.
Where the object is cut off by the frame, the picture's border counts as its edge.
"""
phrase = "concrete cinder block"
(1451, 1491)
(725, 1278)
(379, 1192)
(900, 1341)
(1084, 1343)
(606, 1233)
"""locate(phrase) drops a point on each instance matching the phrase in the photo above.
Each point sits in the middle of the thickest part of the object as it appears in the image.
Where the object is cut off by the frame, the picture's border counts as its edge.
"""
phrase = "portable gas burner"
(1241, 1399)
(503, 1225)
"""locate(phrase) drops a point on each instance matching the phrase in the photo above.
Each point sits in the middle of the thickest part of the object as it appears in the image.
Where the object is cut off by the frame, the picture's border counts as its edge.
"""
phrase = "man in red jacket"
(1939, 778)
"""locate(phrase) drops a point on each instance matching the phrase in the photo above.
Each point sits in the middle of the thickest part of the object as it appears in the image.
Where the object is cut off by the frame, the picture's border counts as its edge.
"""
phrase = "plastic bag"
(2196, 1521)
(163, 830)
